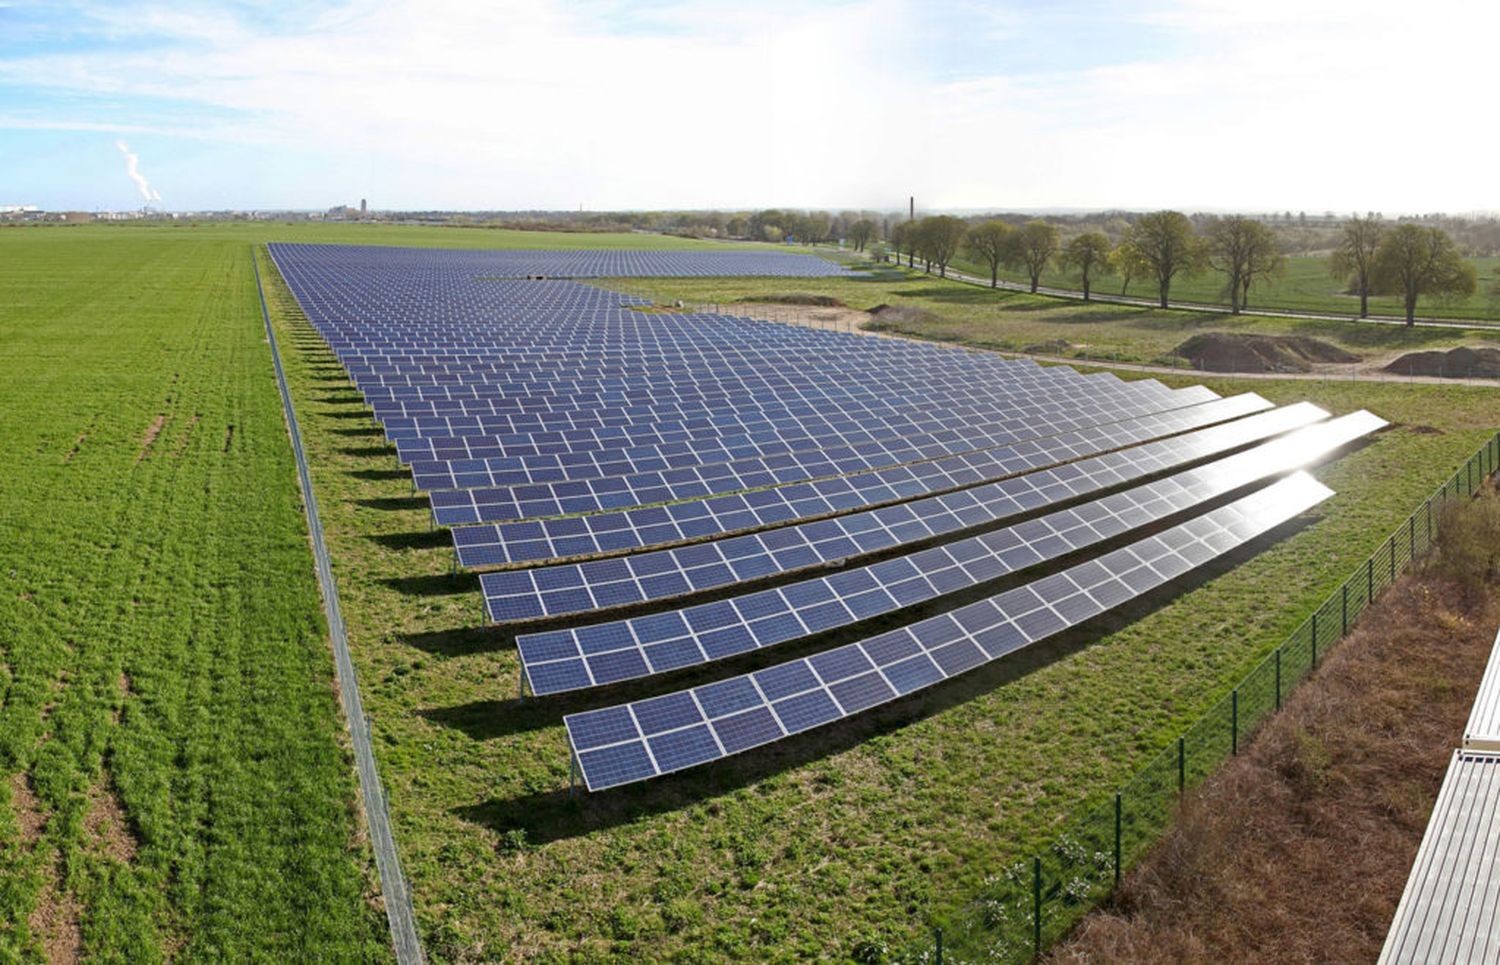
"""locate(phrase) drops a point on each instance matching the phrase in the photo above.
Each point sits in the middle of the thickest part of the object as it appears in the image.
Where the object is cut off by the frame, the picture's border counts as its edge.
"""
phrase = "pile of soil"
(1224, 352)
(796, 298)
(899, 315)
(1458, 363)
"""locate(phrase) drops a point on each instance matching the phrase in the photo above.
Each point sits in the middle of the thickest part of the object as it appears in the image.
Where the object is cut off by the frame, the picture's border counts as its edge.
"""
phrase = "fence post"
(1278, 678)
(1369, 580)
(1344, 632)
(1181, 766)
(1411, 537)
(1036, 904)
(1117, 839)
(1393, 557)
(1234, 722)
(1315, 640)
(1429, 522)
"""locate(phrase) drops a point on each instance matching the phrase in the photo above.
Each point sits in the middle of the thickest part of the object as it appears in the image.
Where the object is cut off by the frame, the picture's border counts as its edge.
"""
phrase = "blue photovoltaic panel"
(612, 533)
(679, 571)
(711, 631)
(802, 694)
(859, 448)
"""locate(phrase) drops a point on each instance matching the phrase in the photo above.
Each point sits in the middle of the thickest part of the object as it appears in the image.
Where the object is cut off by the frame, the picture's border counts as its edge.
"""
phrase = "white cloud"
(1317, 104)
(521, 103)
(1313, 104)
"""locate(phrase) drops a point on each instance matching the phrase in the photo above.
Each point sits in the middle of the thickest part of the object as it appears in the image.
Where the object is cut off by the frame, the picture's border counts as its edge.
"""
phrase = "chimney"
(911, 213)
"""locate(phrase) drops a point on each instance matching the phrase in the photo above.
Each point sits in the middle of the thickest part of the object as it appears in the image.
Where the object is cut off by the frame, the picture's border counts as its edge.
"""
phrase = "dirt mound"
(796, 298)
(896, 315)
(1458, 363)
(1224, 352)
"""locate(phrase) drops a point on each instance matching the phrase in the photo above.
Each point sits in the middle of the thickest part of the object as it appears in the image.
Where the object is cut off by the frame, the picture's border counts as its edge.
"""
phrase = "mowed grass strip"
(950, 311)
(851, 837)
(174, 780)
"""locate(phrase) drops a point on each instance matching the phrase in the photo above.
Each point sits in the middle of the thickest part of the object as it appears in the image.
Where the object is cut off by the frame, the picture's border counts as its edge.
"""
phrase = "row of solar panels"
(696, 472)
(1450, 910)
(353, 260)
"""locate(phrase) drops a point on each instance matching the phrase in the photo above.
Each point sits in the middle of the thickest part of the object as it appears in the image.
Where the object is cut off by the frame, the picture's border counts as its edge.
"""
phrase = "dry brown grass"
(1298, 850)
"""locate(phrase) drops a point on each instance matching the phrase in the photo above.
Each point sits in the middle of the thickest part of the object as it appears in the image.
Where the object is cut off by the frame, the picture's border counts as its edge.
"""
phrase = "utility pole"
(911, 211)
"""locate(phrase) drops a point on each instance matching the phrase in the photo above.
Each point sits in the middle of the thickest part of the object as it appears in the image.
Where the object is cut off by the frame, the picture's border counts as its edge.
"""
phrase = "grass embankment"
(172, 780)
(1298, 850)
(949, 311)
(1306, 286)
(850, 835)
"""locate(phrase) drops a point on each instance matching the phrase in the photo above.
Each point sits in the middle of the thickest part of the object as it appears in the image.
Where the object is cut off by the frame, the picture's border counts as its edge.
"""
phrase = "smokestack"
(911, 213)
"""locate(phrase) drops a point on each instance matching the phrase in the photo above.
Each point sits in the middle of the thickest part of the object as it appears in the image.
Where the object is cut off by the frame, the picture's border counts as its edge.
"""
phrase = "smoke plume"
(132, 168)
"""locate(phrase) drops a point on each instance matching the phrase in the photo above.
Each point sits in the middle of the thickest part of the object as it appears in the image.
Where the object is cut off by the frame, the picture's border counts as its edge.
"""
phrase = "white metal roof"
(1483, 731)
(1450, 911)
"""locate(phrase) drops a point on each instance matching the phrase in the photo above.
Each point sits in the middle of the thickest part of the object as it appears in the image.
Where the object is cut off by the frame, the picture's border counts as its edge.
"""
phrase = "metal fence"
(1035, 902)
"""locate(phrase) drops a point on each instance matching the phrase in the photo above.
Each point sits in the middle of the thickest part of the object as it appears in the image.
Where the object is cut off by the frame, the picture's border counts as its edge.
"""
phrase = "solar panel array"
(648, 738)
(730, 485)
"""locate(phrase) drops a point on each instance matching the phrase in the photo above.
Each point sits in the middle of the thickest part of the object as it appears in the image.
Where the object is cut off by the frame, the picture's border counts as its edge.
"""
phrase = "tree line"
(1408, 259)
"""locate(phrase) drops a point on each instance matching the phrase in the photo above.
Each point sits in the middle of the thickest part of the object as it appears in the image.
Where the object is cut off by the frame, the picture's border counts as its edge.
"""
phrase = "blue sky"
(1210, 104)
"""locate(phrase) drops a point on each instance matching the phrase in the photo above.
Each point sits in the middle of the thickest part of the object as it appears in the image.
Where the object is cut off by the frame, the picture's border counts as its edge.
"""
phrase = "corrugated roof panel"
(1483, 731)
(1448, 912)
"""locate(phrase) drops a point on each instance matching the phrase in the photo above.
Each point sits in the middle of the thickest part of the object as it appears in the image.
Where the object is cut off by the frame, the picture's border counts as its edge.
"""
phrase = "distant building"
(364, 208)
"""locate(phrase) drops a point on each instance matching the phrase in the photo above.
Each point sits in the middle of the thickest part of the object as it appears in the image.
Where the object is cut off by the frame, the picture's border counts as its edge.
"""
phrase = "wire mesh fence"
(1025, 907)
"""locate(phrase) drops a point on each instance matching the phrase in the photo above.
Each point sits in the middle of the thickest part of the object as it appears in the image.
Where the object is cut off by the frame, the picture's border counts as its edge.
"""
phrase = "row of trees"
(1409, 259)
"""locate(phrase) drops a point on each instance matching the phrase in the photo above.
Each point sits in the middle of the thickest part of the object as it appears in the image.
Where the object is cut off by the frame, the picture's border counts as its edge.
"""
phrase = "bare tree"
(938, 240)
(1354, 258)
(903, 238)
(1035, 246)
(1414, 261)
(990, 243)
(1087, 253)
(1243, 249)
(860, 232)
(1127, 262)
(1167, 247)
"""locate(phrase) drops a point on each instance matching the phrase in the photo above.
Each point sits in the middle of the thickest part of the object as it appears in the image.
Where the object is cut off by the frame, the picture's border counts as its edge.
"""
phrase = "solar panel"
(613, 533)
(600, 654)
(679, 571)
(648, 738)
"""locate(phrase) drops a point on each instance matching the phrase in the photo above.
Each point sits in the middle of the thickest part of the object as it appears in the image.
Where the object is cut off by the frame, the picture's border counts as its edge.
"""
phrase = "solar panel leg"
(572, 773)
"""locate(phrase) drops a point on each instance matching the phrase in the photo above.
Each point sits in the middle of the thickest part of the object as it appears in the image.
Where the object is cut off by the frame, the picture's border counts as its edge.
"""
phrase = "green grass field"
(859, 834)
(1305, 286)
(171, 759)
(1015, 321)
